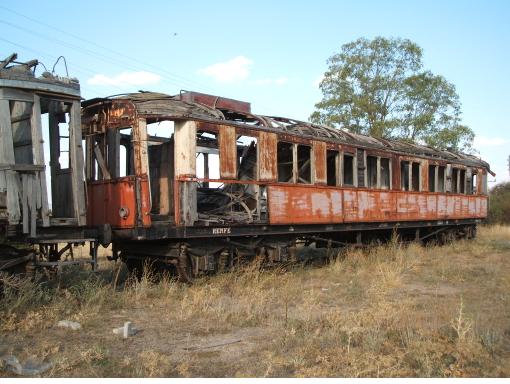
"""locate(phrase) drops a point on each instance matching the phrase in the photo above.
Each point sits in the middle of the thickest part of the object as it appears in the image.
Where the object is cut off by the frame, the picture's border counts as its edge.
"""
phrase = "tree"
(378, 87)
(499, 207)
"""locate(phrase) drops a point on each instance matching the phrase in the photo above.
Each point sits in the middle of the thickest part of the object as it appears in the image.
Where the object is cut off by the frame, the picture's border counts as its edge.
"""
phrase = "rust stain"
(109, 198)
(302, 205)
(305, 205)
(319, 152)
(267, 156)
(228, 152)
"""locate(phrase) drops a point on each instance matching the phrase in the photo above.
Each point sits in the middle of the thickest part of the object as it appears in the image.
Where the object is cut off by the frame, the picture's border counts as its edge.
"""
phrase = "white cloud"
(484, 141)
(126, 79)
(230, 71)
(269, 81)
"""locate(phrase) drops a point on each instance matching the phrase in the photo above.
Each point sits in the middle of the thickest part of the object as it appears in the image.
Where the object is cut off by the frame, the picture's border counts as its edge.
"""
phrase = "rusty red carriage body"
(275, 181)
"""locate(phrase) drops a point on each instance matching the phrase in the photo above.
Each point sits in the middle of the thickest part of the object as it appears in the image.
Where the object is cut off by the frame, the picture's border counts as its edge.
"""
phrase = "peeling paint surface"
(305, 205)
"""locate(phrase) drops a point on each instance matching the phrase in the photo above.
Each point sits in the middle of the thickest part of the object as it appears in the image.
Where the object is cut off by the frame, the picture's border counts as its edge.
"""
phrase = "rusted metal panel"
(483, 206)
(107, 198)
(228, 152)
(267, 156)
(303, 205)
(319, 164)
(291, 204)
(114, 202)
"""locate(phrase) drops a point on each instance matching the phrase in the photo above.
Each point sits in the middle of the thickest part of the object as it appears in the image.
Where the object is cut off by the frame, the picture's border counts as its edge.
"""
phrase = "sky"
(272, 54)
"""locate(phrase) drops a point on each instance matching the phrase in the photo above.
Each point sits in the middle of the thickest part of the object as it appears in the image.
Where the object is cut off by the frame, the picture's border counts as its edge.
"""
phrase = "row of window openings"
(410, 171)
(378, 171)
(378, 168)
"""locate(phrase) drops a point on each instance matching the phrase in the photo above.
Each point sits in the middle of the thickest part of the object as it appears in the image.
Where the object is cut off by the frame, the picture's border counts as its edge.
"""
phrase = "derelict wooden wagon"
(38, 115)
(199, 183)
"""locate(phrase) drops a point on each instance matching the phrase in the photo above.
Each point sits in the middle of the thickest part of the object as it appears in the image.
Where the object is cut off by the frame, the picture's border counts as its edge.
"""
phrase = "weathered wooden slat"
(267, 165)
(101, 163)
(38, 155)
(3, 182)
(16, 94)
(7, 157)
(24, 202)
(76, 160)
(32, 179)
(22, 167)
(228, 152)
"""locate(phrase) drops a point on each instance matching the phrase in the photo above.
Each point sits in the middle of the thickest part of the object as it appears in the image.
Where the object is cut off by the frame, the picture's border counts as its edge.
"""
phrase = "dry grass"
(391, 311)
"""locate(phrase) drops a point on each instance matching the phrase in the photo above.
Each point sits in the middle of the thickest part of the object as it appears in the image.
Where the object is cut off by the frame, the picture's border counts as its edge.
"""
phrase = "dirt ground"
(437, 311)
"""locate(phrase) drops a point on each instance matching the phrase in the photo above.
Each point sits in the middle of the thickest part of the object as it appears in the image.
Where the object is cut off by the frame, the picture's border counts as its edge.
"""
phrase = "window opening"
(247, 158)
(455, 179)
(371, 172)
(385, 173)
(348, 170)
(332, 167)
(462, 181)
(285, 162)
(440, 178)
(404, 175)
(304, 164)
(432, 178)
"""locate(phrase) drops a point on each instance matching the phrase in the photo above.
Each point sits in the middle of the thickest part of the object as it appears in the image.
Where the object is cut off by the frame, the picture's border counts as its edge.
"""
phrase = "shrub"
(499, 204)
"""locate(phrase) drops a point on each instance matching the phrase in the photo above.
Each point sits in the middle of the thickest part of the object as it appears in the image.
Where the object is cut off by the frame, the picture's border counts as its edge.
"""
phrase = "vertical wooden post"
(54, 153)
(206, 169)
(76, 163)
(185, 165)
(140, 148)
(295, 171)
(7, 157)
(38, 155)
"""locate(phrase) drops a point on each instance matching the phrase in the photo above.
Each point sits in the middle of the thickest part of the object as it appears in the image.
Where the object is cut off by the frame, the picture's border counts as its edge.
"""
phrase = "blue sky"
(269, 53)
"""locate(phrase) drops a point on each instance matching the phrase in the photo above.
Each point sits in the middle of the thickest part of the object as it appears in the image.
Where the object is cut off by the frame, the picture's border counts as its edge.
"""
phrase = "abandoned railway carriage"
(199, 183)
(41, 116)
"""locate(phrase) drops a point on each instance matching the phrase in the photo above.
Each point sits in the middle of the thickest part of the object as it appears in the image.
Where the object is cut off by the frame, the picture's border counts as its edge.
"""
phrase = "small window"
(303, 163)
(440, 178)
(462, 181)
(285, 163)
(348, 171)
(455, 180)
(247, 158)
(416, 176)
(371, 172)
(432, 178)
(404, 175)
(385, 173)
(126, 166)
(474, 184)
(331, 167)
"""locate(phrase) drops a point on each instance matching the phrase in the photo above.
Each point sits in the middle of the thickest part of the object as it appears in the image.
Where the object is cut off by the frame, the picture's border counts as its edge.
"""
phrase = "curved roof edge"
(159, 104)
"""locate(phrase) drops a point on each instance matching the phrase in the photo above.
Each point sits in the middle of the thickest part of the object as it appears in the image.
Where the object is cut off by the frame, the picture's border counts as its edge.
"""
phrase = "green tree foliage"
(378, 87)
(499, 204)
